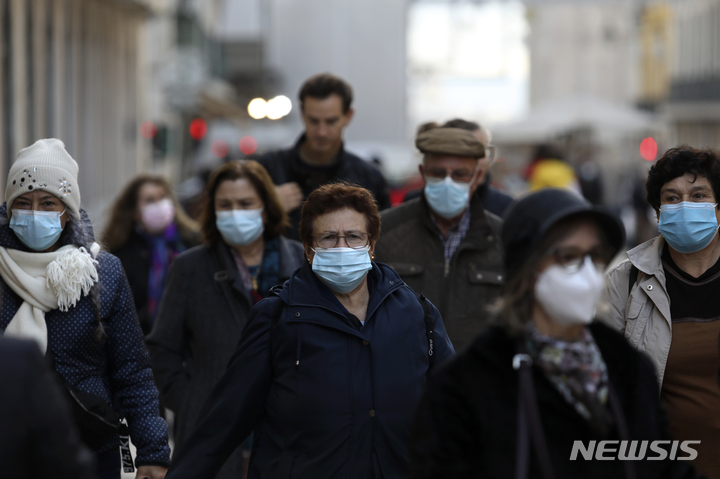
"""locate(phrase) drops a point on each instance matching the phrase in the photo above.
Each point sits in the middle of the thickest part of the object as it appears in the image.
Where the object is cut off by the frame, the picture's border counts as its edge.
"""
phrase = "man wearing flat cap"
(443, 244)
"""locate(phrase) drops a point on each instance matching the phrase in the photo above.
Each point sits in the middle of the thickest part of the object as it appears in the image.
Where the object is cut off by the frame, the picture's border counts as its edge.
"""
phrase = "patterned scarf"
(164, 248)
(578, 371)
(266, 275)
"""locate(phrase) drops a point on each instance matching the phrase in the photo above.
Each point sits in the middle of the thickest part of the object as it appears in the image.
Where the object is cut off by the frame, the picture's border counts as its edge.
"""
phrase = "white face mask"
(570, 297)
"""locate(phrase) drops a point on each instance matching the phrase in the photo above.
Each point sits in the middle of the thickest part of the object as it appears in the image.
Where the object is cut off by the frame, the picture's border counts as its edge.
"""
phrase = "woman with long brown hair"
(147, 230)
(211, 288)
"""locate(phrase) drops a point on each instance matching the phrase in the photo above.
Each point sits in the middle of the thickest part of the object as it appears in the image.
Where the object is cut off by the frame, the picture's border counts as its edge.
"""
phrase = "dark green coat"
(462, 289)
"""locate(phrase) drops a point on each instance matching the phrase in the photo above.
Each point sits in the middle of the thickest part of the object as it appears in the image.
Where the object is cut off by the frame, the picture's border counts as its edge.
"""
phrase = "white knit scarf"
(46, 281)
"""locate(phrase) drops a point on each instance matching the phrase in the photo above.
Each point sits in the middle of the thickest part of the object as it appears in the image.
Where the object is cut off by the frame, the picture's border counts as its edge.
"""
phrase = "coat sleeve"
(441, 432)
(235, 405)
(129, 369)
(168, 342)
(614, 297)
(56, 450)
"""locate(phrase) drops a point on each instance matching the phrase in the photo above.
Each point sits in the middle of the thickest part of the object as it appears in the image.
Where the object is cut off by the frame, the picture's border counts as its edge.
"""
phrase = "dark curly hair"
(322, 86)
(678, 161)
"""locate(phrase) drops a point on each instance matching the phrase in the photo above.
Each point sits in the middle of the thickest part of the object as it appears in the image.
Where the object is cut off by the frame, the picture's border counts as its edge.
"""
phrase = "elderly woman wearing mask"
(546, 380)
(328, 370)
(74, 300)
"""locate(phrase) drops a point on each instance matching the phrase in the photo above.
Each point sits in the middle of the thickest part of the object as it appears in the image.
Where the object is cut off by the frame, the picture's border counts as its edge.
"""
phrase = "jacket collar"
(227, 262)
(647, 257)
(288, 265)
(479, 229)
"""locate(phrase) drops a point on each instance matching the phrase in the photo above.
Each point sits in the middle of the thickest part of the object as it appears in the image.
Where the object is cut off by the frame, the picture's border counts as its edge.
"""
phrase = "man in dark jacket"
(318, 157)
(444, 244)
(37, 435)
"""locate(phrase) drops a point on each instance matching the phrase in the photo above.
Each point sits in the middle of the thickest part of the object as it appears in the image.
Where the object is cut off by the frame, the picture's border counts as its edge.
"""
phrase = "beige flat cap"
(449, 141)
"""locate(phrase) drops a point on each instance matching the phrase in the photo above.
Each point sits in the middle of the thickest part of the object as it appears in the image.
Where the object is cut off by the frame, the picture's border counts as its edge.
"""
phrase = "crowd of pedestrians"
(300, 327)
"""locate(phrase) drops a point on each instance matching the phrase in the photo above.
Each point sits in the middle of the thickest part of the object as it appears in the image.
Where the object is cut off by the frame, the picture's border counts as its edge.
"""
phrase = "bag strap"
(633, 278)
(429, 329)
(222, 278)
(529, 418)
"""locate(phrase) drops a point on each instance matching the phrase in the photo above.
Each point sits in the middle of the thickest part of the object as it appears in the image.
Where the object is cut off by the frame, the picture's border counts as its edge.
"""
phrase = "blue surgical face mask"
(341, 269)
(688, 227)
(38, 230)
(240, 227)
(446, 197)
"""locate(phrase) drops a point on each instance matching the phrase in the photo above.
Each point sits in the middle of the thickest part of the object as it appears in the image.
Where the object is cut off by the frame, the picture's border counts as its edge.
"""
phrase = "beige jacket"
(643, 316)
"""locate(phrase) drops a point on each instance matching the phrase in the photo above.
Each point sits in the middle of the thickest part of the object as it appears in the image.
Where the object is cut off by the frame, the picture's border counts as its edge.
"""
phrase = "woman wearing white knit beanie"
(60, 290)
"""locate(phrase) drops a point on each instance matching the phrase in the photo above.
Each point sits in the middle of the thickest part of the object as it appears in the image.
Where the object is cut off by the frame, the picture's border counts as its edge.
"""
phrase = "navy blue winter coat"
(118, 367)
(325, 397)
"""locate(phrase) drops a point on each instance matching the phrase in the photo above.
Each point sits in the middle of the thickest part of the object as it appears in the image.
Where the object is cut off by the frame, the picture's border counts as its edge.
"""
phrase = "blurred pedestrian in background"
(549, 169)
(493, 200)
(444, 244)
(147, 229)
(211, 288)
(37, 436)
(663, 297)
(545, 375)
(319, 157)
(327, 372)
(74, 300)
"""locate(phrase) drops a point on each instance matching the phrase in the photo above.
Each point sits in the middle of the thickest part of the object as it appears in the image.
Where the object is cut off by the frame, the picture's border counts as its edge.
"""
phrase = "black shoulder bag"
(96, 420)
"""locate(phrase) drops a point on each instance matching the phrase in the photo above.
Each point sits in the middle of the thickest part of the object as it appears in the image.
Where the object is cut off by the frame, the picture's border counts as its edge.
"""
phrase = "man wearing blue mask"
(443, 244)
(663, 297)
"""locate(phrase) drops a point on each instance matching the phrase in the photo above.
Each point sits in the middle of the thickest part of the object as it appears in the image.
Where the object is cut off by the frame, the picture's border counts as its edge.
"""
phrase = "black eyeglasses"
(462, 175)
(353, 239)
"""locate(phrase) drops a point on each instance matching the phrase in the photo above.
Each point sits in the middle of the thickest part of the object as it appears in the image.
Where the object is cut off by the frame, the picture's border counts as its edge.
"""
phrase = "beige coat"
(643, 316)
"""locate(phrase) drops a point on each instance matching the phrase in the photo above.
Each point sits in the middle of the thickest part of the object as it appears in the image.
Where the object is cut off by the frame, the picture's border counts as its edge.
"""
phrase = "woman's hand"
(151, 472)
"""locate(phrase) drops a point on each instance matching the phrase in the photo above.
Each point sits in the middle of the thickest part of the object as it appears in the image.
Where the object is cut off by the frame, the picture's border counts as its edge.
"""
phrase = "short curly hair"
(677, 162)
(322, 86)
(338, 196)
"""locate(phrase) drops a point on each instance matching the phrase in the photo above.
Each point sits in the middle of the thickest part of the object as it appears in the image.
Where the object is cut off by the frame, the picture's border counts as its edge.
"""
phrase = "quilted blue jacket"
(117, 368)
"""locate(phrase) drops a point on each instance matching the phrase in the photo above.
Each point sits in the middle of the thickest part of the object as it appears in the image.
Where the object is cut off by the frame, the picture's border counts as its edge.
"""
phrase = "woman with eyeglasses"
(211, 288)
(329, 370)
(547, 391)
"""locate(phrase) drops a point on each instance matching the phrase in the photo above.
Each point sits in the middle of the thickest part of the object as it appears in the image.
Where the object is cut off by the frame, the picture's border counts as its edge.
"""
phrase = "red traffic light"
(648, 149)
(198, 129)
(248, 145)
(219, 148)
(148, 130)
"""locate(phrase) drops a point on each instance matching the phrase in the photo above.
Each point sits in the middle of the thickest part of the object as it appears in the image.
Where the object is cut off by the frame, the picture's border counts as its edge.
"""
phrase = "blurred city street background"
(178, 86)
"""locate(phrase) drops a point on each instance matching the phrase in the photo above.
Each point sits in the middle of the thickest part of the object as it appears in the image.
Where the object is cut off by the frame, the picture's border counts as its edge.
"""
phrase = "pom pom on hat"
(45, 165)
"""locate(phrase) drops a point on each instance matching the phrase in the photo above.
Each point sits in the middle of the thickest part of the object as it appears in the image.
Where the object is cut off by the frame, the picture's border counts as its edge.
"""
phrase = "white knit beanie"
(45, 165)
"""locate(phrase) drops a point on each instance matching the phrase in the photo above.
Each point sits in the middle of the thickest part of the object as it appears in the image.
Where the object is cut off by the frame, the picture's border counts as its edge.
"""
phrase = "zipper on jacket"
(447, 267)
(299, 342)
